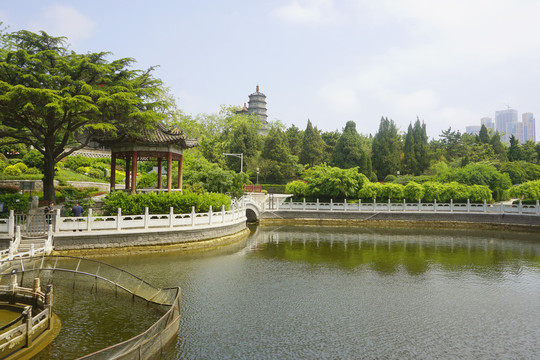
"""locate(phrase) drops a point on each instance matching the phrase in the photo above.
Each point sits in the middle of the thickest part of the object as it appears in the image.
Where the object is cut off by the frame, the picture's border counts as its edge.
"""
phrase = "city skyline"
(507, 124)
(327, 60)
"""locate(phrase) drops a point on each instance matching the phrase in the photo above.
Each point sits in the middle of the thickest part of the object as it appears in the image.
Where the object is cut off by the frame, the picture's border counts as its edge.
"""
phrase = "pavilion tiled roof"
(160, 134)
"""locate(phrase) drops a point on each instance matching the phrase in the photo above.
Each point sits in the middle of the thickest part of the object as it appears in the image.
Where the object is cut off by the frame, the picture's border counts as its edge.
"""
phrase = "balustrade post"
(331, 204)
(210, 215)
(304, 204)
(49, 242)
(389, 205)
(485, 206)
(520, 207)
(359, 204)
(171, 217)
(374, 205)
(28, 320)
(193, 216)
(317, 204)
(89, 220)
(31, 250)
(434, 205)
(468, 205)
(404, 205)
(222, 214)
(119, 220)
(49, 304)
(146, 217)
(537, 208)
(290, 204)
(419, 204)
(502, 208)
(345, 205)
(451, 205)
(11, 223)
(57, 220)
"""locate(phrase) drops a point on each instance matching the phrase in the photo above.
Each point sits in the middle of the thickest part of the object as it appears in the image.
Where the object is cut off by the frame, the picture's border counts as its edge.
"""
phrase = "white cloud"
(64, 20)
(307, 11)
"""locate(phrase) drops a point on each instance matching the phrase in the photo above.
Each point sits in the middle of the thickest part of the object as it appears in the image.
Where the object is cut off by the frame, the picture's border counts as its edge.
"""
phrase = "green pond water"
(311, 292)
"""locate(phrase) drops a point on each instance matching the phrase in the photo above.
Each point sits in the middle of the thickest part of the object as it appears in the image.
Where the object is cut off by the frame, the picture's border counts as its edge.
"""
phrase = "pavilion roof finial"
(257, 89)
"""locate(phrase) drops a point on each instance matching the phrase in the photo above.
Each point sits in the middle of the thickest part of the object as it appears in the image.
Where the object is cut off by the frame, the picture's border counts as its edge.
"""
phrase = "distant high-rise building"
(473, 129)
(529, 127)
(487, 122)
(506, 123)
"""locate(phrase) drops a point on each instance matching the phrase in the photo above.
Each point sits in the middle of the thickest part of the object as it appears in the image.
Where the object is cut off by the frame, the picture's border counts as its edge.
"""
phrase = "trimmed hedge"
(160, 203)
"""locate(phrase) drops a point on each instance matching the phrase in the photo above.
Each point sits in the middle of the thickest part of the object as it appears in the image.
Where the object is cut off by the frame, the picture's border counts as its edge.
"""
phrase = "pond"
(346, 292)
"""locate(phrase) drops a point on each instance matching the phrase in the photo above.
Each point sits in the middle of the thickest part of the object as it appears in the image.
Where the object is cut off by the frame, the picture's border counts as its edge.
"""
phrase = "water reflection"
(390, 251)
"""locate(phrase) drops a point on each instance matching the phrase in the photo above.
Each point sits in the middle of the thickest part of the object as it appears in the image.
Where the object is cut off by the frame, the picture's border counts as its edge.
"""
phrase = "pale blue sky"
(448, 62)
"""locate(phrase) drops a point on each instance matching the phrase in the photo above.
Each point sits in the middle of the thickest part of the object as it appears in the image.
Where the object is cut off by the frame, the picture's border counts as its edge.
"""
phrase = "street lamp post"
(241, 156)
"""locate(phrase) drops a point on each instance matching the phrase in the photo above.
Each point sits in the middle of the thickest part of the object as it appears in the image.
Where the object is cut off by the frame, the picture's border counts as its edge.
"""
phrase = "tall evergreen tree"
(514, 151)
(312, 146)
(386, 149)
(498, 147)
(409, 158)
(294, 138)
(348, 151)
(483, 135)
(421, 148)
(280, 166)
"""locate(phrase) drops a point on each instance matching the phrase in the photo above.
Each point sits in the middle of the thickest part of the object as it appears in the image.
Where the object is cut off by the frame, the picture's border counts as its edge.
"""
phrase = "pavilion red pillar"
(113, 171)
(180, 172)
(128, 172)
(159, 165)
(134, 173)
(169, 171)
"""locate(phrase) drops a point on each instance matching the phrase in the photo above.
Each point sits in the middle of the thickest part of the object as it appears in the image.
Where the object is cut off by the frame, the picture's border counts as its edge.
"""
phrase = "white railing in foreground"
(451, 207)
(14, 246)
(150, 221)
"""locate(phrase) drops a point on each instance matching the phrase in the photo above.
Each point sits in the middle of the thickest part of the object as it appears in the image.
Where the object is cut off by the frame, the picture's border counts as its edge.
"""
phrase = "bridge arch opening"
(252, 215)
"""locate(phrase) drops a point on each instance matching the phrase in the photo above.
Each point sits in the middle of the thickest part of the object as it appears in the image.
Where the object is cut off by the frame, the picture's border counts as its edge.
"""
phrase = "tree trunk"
(48, 177)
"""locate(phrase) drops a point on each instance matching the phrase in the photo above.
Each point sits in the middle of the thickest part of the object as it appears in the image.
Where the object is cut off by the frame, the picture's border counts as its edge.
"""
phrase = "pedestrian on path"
(49, 210)
(77, 211)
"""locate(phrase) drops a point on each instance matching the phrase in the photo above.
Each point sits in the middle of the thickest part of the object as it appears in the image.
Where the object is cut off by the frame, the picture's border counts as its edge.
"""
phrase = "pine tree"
(421, 148)
(483, 135)
(312, 146)
(386, 149)
(409, 158)
(348, 152)
(514, 151)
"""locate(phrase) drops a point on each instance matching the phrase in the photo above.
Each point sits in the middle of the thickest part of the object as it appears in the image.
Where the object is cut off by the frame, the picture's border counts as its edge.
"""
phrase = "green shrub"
(370, 191)
(298, 188)
(12, 170)
(75, 162)
(390, 178)
(413, 191)
(21, 166)
(83, 169)
(529, 191)
(32, 171)
(18, 203)
(161, 203)
(33, 159)
(96, 173)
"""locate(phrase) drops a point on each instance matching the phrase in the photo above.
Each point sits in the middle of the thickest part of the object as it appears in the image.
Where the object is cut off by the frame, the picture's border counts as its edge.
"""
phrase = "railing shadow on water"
(143, 346)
